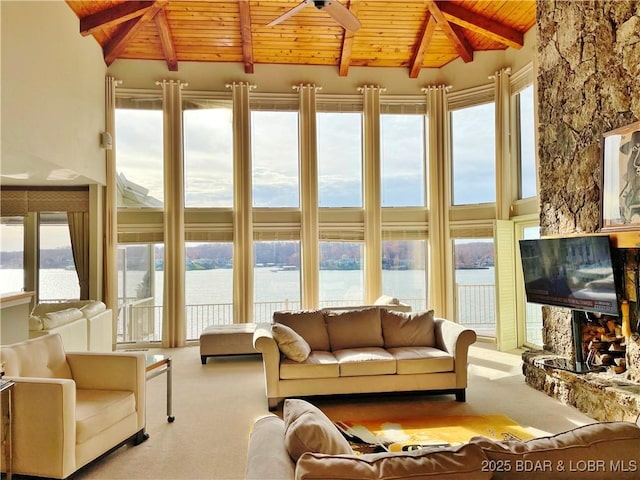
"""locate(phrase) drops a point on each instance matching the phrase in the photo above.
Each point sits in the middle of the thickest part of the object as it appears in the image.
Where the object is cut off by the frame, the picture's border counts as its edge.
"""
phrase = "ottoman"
(234, 339)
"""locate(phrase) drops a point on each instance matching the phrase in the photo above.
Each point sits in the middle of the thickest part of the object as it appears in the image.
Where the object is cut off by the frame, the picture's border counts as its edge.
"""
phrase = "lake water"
(215, 286)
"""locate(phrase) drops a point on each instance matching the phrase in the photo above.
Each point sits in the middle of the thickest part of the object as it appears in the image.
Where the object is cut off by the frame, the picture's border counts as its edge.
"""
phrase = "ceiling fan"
(339, 12)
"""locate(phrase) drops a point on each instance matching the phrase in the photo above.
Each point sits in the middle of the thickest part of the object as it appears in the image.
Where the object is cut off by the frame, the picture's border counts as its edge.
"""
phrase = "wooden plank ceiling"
(413, 34)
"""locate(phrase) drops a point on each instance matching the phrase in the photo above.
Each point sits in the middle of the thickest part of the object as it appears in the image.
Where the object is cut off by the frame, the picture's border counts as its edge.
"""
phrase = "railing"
(475, 309)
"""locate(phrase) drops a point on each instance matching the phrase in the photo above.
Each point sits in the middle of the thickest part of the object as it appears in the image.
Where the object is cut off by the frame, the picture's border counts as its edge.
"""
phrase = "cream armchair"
(70, 408)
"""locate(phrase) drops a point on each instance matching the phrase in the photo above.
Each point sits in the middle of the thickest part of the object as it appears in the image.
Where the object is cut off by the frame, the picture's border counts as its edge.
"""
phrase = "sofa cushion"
(290, 343)
(599, 451)
(97, 410)
(309, 324)
(356, 362)
(354, 328)
(317, 365)
(61, 317)
(92, 309)
(308, 429)
(421, 360)
(408, 329)
(463, 463)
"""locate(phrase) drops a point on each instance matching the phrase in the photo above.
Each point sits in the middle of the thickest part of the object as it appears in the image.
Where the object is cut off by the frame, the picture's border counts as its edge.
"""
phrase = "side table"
(6, 394)
(157, 364)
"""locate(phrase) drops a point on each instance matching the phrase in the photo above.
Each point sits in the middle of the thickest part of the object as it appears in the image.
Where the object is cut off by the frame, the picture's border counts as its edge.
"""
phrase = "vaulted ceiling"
(413, 34)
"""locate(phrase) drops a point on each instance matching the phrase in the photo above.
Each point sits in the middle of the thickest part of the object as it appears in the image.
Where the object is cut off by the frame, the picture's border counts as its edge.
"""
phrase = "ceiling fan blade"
(342, 15)
(290, 13)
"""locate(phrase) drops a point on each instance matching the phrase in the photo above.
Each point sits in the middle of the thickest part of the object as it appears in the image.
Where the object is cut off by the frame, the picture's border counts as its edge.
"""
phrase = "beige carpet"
(216, 404)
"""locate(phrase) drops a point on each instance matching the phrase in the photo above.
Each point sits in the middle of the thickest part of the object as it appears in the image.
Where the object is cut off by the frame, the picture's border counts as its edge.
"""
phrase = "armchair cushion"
(92, 309)
(97, 410)
(42, 357)
(61, 317)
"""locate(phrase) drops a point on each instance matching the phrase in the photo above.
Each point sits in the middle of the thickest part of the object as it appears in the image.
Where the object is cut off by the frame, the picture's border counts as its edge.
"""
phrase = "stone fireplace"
(588, 83)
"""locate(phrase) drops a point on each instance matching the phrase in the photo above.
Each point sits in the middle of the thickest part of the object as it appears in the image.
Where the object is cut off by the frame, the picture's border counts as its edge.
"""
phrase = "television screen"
(571, 272)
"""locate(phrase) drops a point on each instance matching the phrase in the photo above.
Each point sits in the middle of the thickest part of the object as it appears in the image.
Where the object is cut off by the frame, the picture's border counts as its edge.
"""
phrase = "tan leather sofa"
(70, 408)
(84, 325)
(305, 445)
(364, 350)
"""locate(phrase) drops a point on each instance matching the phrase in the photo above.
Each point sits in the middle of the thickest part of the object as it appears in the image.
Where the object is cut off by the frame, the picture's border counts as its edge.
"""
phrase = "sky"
(208, 156)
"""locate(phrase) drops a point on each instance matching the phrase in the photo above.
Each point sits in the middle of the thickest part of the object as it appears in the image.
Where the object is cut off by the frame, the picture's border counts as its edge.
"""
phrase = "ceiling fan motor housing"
(320, 4)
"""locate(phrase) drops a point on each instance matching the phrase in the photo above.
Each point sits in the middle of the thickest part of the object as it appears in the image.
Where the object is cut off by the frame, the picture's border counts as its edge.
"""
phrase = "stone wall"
(588, 80)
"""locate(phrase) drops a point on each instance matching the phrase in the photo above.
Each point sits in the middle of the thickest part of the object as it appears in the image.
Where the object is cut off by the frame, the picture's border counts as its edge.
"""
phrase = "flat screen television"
(572, 272)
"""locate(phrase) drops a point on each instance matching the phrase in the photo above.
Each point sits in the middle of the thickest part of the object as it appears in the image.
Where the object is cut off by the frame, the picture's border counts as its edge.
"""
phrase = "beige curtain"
(309, 222)
(372, 197)
(504, 177)
(242, 205)
(173, 317)
(79, 233)
(439, 195)
(111, 209)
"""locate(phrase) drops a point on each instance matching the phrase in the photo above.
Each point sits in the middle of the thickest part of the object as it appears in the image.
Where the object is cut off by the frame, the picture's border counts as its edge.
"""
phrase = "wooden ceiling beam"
(428, 27)
(482, 25)
(247, 37)
(128, 30)
(166, 39)
(113, 16)
(453, 33)
(347, 43)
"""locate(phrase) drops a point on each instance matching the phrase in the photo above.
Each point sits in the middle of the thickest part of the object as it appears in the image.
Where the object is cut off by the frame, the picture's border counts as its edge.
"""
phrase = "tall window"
(402, 162)
(11, 254)
(58, 279)
(208, 285)
(140, 276)
(139, 158)
(341, 275)
(475, 285)
(276, 278)
(404, 271)
(208, 156)
(473, 154)
(339, 141)
(526, 136)
(274, 146)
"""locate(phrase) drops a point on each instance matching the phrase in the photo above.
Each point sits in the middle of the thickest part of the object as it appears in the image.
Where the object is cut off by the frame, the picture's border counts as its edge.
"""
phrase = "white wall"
(280, 78)
(52, 90)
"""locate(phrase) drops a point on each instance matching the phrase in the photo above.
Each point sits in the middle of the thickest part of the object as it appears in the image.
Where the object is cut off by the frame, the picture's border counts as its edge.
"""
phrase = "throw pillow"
(290, 343)
(354, 328)
(309, 324)
(308, 429)
(408, 329)
(35, 323)
(463, 463)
